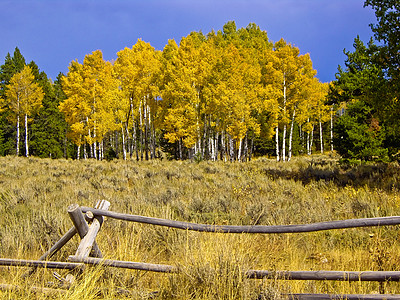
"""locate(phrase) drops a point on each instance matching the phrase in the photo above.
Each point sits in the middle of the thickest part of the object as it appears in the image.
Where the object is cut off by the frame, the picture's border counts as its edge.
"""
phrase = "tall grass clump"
(35, 194)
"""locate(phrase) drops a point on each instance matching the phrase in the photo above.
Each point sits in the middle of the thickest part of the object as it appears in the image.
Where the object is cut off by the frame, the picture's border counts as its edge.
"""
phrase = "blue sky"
(53, 32)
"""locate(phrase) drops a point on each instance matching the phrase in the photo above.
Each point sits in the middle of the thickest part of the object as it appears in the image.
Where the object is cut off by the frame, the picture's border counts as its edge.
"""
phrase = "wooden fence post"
(81, 226)
(88, 241)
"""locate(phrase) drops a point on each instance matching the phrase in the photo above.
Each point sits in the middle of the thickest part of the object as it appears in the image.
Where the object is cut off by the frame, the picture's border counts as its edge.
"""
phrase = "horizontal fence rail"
(380, 276)
(125, 264)
(40, 264)
(94, 216)
(77, 263)
(341, 224)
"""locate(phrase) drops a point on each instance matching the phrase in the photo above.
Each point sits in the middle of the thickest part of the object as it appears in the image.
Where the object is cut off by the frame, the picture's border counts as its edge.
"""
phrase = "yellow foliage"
(235, 84)
(93, 96)
(23, 95)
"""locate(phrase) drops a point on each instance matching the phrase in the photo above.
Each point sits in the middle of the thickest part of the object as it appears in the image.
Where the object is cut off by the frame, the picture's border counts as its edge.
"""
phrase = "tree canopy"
(213, 96)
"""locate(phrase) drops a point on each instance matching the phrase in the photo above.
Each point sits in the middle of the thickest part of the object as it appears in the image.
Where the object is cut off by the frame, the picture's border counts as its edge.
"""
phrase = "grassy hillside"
(35, 194)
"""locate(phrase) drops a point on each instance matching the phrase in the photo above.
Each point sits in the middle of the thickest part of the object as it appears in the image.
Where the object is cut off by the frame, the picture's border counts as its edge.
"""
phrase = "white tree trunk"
(231, 148)
(94, 144)
(284, 126)
(17, 135)
(216, 146)
(180, 148)
(239, 155)
(90, 144)
(145, 141)
(101, 150)
(246, 147)
(332, 128)
(284, 143)
(26, 136)
(204, 142)
(211, 146)
(78, 152)
(134, 137)
(223, 146)
(141, 130)
(312, 139)
(291, 135)
(277, 143)
(149, 133)
(321, 137)
(123, 143)
(308, 140)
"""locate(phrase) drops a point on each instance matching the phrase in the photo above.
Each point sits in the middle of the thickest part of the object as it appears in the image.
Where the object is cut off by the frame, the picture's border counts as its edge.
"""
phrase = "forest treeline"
(229, 95)
(222, 95)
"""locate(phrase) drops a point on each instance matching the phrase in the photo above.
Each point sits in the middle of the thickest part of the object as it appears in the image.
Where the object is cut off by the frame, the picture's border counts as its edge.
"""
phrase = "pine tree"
(49, 127)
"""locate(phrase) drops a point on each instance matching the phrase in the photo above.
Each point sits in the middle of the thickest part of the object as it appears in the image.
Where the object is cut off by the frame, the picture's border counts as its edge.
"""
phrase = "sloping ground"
(35, 194)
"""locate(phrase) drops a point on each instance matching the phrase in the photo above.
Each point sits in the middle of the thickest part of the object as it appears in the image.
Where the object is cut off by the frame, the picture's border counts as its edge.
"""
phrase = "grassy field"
(35, 194)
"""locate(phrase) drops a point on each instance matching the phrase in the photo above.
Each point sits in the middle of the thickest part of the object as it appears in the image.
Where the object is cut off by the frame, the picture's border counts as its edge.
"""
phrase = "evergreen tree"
(357, 134)
(387, 32)
(48, 130)
(362, 85)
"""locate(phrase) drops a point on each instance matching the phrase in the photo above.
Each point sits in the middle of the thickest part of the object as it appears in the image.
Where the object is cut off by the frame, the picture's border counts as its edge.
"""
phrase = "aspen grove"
(210, 97)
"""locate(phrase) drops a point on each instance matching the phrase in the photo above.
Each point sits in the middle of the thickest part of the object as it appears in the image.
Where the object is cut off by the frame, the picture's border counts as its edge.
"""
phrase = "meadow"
(35, 194)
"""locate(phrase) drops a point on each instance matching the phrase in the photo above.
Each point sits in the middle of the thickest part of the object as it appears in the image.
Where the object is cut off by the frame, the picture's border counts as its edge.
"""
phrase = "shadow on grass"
(385, 176)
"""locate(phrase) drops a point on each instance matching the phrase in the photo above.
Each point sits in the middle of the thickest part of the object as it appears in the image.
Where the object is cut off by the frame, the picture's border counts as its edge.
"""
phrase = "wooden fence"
(87, 222)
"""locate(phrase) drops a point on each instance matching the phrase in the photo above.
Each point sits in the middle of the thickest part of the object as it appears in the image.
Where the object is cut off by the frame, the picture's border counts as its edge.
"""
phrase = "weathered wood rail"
(352, 223)
(88, 252)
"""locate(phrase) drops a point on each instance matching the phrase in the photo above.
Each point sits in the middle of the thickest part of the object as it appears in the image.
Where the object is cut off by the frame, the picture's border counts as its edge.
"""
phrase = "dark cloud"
(55, 32)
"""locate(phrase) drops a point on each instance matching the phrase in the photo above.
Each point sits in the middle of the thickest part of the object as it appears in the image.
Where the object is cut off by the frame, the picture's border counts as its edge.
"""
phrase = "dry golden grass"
(35, 194)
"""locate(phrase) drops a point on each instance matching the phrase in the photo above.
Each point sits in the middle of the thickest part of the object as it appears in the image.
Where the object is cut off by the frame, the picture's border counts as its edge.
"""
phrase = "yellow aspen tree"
(109, 102)
(235, 80)
(243, 83)
(173, 119)
(254, 47)
(272, 79)
(97, 76)
(257, 47)
(322, 110)
(139, 71)
(305, 88)
(190, 83)
(313, 111)
(24, 97)
(270, 93)
(286, 70)
(126, 69)
(188, 75)
(76, 107)
(209, 105)
(91, 89)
